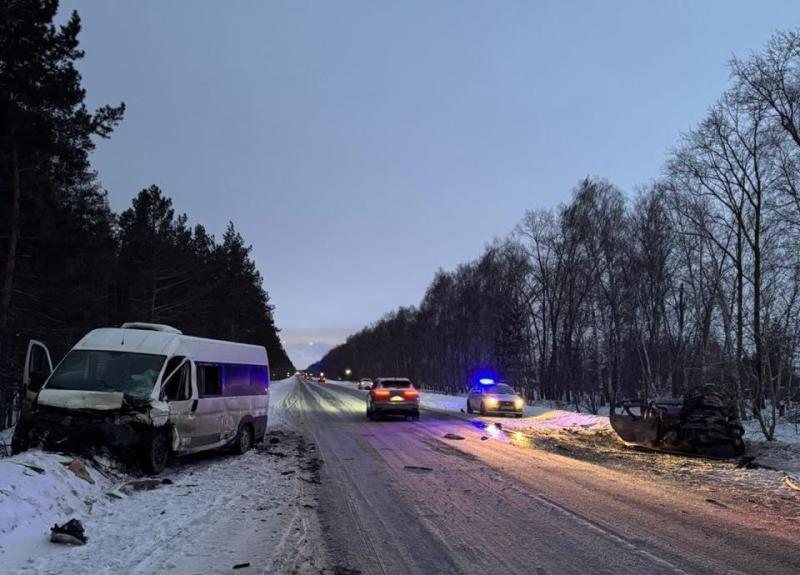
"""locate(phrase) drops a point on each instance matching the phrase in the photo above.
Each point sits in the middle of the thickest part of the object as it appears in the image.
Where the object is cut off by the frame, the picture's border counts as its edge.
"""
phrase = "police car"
(489, 397)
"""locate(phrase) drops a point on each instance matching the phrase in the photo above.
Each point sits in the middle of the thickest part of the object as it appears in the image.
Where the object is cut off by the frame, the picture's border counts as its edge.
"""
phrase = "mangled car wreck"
(145, 391)
(704, 423)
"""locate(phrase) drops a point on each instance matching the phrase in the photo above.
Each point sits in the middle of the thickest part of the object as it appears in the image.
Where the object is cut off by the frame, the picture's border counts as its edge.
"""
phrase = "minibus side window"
(259, 380)
(209, 380)
(172, 365)
(179, 386)
(237, 380)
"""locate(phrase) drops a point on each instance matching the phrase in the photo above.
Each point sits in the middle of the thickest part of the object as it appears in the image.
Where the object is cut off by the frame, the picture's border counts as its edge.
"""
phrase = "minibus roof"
(171, 343)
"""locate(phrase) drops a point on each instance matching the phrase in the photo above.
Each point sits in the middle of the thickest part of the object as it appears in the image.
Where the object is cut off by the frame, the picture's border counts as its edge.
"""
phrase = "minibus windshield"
(117, 371)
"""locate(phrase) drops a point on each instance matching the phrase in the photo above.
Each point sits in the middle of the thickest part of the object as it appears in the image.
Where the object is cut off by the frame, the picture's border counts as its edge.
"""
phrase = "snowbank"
(784, 431)
(534, 416)
(38, 489)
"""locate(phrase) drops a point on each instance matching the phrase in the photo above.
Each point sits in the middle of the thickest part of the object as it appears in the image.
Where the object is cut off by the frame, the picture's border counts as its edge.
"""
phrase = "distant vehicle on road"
(488, 397)
(393, 396)
(365, 383)
(321, 378)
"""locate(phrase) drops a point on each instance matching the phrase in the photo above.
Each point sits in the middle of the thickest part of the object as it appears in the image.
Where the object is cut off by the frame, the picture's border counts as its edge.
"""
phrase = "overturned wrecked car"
(704, 423)
(145, 391)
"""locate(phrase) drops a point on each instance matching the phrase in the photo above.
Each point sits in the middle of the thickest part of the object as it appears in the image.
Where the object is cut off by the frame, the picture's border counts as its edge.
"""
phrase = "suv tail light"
(380, 394)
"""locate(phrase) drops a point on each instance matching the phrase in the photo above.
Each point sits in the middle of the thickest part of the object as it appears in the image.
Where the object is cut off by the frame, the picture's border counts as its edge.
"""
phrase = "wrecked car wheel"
(244, 439)
(155, 452)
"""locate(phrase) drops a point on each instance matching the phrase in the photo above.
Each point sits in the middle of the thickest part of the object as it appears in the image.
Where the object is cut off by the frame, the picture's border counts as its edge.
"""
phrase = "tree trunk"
(13, 241)
(740, 373)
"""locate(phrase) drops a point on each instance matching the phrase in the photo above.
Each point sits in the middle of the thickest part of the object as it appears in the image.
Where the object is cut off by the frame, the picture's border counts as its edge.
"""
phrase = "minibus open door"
(38, 367)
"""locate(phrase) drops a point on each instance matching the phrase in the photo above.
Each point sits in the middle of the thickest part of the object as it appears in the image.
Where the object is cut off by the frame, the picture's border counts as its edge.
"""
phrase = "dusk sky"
(359, 146)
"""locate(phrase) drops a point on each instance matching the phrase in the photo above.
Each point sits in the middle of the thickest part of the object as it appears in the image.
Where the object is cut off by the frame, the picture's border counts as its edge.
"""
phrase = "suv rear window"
(396, 383)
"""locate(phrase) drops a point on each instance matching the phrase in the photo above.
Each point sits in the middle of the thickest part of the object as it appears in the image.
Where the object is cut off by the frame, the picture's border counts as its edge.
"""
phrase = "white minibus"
(145, 390)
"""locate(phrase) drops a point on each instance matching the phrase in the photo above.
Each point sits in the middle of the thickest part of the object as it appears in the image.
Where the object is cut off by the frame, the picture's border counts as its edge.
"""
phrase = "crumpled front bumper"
(78, 431)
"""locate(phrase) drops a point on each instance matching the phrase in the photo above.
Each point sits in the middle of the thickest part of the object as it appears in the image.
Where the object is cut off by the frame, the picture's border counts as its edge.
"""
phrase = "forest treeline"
(694, 279)
(67, 262)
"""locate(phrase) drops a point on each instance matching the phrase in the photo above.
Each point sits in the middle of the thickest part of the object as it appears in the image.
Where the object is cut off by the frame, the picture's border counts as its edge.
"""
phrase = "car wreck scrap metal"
(704, 423)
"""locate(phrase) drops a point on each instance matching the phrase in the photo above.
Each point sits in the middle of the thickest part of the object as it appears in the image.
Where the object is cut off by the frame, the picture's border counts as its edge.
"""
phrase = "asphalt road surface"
(398, 497)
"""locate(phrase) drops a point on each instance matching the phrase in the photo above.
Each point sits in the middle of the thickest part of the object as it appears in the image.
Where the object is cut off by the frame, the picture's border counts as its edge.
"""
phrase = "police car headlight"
(519, 403)
(492, 402)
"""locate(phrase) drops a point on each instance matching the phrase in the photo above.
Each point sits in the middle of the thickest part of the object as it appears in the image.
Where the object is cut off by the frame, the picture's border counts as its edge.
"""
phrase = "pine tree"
(45, 128)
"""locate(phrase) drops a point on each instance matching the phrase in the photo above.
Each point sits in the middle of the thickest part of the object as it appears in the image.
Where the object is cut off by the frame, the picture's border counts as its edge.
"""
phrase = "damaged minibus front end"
(84, 421)
(104, 394)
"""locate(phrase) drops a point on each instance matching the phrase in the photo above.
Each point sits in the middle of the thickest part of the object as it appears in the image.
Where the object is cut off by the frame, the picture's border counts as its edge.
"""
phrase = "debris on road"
(70, 533)
(35, 468)
(717, 503)
(417, 468)
(241, 565)
(747, 462)
(79, 469)
(144, 485)
(792, 483)
(453, 436)
(275, 453)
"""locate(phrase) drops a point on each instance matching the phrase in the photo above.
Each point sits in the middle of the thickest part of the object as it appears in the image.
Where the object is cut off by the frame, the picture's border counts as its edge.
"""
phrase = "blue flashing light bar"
(486, 381)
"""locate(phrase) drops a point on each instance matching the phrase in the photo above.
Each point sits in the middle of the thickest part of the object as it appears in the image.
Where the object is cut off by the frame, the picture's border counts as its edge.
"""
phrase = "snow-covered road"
(402, 497)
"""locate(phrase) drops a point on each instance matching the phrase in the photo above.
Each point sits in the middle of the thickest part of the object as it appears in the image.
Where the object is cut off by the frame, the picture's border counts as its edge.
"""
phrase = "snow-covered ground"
(207, 513)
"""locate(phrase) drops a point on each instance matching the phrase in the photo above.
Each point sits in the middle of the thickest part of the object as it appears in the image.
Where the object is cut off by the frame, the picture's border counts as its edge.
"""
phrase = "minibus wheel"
(244, 439)
(155, 452)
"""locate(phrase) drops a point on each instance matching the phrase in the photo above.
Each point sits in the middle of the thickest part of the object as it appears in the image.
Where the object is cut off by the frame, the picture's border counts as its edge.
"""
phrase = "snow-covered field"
(207, 513)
